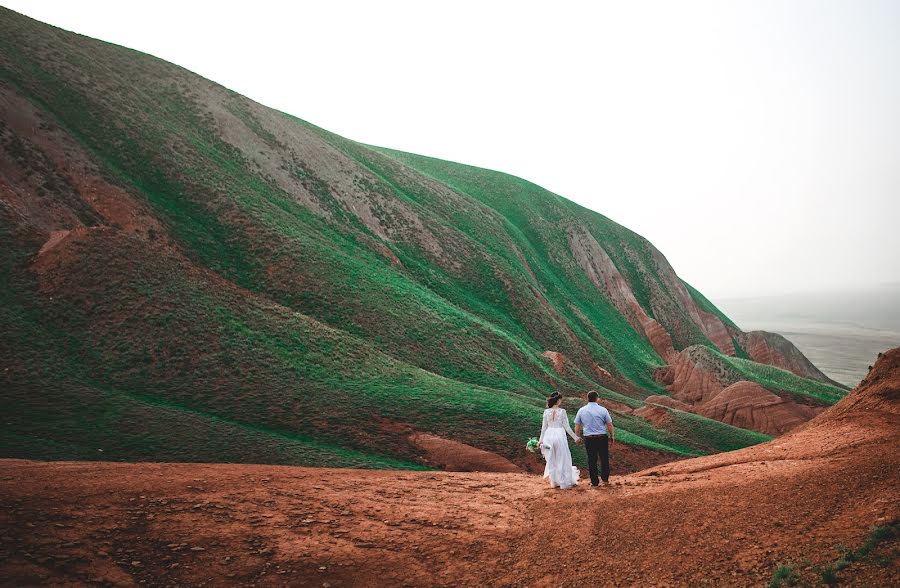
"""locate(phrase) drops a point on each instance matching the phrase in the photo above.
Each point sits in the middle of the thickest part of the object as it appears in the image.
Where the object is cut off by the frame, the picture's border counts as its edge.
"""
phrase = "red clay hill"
(731, 519)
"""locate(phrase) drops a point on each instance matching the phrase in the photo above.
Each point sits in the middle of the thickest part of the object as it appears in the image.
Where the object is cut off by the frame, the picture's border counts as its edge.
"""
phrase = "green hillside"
(188, 275)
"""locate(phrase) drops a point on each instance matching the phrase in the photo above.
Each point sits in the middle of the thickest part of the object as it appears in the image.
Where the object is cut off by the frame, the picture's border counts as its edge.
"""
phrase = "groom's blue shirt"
(593, 419)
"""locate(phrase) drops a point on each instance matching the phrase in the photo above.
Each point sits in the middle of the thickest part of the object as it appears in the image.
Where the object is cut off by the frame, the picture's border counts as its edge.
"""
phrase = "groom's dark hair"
(592, 396)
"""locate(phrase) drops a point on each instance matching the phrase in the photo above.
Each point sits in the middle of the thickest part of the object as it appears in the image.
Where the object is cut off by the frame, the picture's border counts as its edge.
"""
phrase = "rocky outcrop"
(656, 414)
(695, 376)
(602, 372)
(877, 394)
(453, 456)
(774, 349)
(604, 274)
(557, 360)
(614, 405)
(56, 237)
(667, 401)
(711, 325)
(672, 315)
(702, 383)
(670, 302)
(750, 406)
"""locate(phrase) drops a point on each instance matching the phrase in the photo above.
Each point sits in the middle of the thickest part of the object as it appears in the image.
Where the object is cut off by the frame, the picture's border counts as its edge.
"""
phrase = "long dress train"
(555, 448)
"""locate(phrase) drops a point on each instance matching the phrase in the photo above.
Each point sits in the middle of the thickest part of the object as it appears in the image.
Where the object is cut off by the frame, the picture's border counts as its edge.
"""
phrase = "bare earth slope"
(727, 519)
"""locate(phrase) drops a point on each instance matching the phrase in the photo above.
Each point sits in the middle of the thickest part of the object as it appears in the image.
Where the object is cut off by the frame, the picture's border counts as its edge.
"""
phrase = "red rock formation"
(750, 406)
(669, 402)
(691, 383)
(700, 384)
(55, 238)
(601, 270)
(600, 371)
(716, 331)
(665, 375)
(55, 250)
(711, 325)
(878, 392)
(557, 359)
(658, 336)
(654, 413)
(773, 349)
(617, 406)
(453, 456)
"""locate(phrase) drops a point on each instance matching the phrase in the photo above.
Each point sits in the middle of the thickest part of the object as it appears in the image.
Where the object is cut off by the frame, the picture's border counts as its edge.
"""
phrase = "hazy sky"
(757, 144)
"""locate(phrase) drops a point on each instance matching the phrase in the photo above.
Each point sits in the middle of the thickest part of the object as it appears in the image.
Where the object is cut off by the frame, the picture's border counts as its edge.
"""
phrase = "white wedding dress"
(555, 449)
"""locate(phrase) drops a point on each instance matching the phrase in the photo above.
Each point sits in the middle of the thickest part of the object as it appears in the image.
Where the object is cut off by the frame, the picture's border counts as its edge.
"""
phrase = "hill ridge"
(442, 283)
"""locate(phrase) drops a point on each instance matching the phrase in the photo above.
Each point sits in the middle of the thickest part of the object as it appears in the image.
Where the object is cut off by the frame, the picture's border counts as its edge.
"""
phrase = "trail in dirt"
(170, 524)
(727, 519)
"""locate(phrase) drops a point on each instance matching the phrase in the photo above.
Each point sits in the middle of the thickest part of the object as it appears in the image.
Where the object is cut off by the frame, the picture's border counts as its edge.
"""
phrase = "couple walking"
(593, 426)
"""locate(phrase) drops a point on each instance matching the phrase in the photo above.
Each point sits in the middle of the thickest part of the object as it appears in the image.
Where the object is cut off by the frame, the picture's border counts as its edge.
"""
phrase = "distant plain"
(841, 332)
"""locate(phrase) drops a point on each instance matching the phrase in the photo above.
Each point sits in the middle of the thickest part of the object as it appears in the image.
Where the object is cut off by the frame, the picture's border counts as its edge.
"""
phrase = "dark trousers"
(597, 447)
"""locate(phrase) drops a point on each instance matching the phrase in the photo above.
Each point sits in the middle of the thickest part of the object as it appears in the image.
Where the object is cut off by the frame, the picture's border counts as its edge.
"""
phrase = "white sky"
(757, 144)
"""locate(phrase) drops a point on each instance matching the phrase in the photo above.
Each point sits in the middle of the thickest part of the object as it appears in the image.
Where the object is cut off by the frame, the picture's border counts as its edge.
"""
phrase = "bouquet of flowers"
(531, 445)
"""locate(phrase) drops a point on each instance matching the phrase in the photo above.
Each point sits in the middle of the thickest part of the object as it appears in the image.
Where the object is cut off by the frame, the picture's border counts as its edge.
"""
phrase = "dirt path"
(185, 524)
(728, 519)
(719, 521)
(168, 524)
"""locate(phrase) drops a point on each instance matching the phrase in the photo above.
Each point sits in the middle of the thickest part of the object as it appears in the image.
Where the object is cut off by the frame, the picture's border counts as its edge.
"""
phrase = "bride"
(554, 445)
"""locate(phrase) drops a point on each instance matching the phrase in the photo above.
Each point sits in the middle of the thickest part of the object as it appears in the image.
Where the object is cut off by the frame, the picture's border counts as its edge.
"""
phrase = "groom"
(594, 421)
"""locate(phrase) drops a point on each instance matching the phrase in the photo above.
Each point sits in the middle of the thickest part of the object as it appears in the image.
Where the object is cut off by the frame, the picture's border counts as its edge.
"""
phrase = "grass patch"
(712, 434)
(782, 381)
(784, 575)
(878, 535)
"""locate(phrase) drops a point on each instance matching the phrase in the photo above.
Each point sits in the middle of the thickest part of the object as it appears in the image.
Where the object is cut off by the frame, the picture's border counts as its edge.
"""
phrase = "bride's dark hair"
(551, 400)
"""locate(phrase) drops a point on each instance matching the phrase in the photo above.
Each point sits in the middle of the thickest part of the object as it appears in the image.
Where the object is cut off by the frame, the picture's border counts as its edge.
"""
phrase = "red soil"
(750, 406)
(601, 270)
(667, 401)
(659, 416)
(743, 404)
(691, 383)
(727, 519)
(557, 360)
(773, 349)
(65, 157)
(711, 325)
(453, 456)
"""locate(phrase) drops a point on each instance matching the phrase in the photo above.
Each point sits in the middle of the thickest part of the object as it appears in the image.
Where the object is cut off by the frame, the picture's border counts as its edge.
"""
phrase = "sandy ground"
(728, 519)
